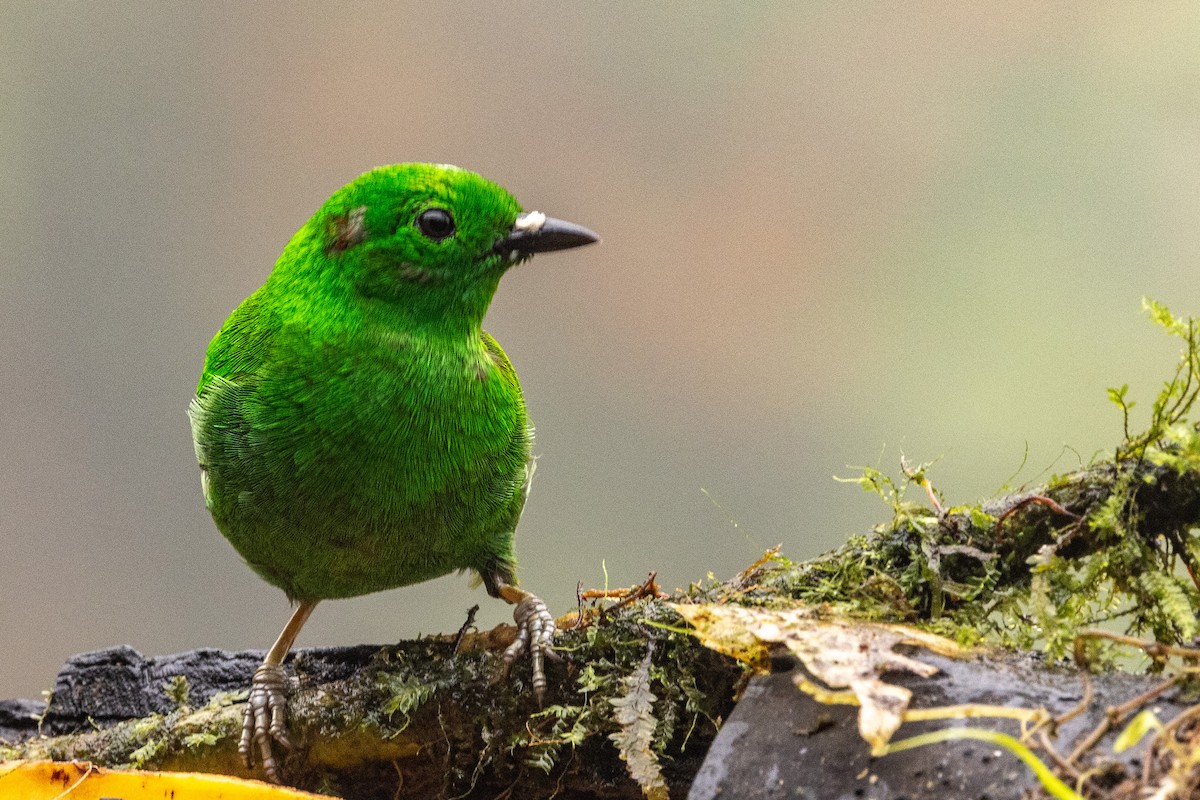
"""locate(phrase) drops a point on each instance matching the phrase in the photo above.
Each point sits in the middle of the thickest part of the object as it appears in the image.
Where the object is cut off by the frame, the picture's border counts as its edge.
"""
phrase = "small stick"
(647, 589)
(1156, 650)
(1115, 714)
(1063, 764)
(578, 605)
(753, 571)
(466, 626)
(1041, 500)
(1084, 702)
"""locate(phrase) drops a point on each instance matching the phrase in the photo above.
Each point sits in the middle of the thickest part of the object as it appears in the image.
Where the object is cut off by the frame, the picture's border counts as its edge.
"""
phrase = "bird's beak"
(534, 232)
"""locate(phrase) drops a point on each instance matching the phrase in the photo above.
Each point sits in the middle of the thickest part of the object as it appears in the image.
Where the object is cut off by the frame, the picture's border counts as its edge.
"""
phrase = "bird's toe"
(265, 720)
(535, 633)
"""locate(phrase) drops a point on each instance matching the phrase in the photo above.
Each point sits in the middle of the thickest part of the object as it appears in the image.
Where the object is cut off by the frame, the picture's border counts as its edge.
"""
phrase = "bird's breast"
(413, 419)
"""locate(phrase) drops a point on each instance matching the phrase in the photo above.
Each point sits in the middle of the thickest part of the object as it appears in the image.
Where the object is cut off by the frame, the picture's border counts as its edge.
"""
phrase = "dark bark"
(776, 739)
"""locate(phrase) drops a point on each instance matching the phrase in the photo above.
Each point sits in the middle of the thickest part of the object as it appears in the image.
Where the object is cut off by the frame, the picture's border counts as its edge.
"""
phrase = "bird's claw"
(265, 719)
(535, 633)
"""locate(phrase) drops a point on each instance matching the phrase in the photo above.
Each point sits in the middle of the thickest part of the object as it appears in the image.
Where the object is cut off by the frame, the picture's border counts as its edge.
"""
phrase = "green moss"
(178, 691)
(1114, 543)
(202, 739)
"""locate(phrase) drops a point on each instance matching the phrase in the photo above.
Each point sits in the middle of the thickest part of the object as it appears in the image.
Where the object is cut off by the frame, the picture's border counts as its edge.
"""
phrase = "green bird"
(357, 429)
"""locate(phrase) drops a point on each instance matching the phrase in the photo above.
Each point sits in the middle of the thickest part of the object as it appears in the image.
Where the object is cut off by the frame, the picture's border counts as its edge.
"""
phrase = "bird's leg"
(535, 629)
(265, 717)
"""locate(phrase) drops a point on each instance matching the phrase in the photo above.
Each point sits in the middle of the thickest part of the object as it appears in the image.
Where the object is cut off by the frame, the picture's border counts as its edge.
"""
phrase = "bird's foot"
(265, 719)
(535, 633)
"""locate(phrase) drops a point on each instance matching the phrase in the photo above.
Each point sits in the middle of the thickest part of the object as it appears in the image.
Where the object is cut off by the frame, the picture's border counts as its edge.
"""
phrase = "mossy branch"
(1113, 542)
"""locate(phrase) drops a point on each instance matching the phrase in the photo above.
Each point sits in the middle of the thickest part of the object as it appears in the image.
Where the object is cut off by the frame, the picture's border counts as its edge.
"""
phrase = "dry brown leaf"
(843, 654)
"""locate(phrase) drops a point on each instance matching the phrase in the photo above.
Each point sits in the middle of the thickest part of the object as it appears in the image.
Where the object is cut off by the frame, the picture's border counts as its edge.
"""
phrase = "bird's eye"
(435, 224)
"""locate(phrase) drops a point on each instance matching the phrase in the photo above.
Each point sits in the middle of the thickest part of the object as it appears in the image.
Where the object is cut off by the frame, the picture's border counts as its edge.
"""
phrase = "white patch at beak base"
(531, 222)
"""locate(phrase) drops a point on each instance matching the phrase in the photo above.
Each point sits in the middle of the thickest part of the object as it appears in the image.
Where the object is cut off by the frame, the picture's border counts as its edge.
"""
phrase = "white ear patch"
(531, 222)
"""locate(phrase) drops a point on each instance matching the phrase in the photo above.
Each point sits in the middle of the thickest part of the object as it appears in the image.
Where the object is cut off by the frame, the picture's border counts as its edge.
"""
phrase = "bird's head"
(432, 240)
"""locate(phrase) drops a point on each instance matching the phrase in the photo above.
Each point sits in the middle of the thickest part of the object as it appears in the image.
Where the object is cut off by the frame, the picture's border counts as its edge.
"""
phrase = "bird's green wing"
(242, 346)
(500, 360)
(217, 412)
(502, 568)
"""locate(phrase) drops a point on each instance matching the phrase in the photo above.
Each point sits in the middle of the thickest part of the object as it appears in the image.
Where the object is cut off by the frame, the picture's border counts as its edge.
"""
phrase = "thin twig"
(754, 570)
(466, 626)
(578, 605)
(1114, 715)
(1083, 705)
(1041, 500)
(647, 589)
(1062, 763)
(1159, 651)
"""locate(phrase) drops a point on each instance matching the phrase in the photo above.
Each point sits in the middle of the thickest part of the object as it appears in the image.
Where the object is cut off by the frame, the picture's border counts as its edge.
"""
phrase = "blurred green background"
(832, 233)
